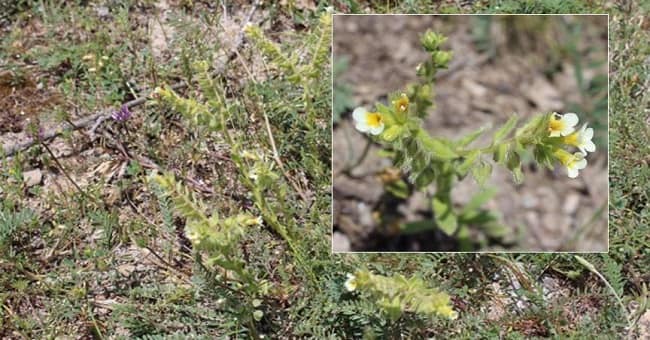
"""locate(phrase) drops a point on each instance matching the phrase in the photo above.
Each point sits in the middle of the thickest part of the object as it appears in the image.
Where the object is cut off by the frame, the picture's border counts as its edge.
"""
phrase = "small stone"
(644, 325)
(102, 11)
(477, 90)
(126, 269)
(571, 203)
(532, 220)
(32, 177)
(529, 201)
(368, 190)
(554, 227)
(365, 214)
(340, 242)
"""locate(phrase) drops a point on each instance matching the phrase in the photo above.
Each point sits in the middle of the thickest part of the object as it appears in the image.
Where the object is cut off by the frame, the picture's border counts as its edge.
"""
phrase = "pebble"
(340, 242)
(365, 215)
(529, 200)
(644, 325)
(102, 11)
(126, 269)
(32, 177)
(571, 203)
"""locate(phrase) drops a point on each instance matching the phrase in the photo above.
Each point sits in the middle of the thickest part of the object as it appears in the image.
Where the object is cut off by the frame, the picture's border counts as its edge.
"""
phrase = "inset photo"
(470, 133)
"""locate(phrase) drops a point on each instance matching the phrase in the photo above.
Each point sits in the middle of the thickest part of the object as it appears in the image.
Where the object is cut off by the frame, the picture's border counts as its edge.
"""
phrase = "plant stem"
(593, 269)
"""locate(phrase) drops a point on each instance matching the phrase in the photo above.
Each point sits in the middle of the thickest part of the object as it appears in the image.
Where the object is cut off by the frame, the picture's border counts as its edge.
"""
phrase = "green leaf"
(518, 175)
(424, 178)
(500, 154)
(438, 149)
(495, 230)
(514, 161)
(417, 227)
(386, 114)
(544, 155)
(392, 133)
(467, 140)
(464, 241)
(383, 153)
(464, 167)
(399, 189)
(441, 58)
(431, 41)
(535, 129)
(479, 199)
(477, 217)
(482, 172)
(505, 130)
(445, 217)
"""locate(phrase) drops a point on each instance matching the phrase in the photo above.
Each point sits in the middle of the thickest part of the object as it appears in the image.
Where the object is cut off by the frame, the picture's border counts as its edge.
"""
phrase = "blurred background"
(502, 65)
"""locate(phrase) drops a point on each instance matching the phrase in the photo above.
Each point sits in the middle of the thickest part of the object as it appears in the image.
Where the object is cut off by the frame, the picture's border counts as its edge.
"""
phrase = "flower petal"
(581, 164)
(572, 172)
(590, 146)
(359, 114)
(362, 126)
(570, 119)
(377, 129)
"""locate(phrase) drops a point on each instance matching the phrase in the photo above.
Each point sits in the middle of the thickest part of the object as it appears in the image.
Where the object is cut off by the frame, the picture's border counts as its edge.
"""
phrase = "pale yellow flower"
(350, 283)
(572, 162)
(562, 125)
(365, 121)
(581, 139)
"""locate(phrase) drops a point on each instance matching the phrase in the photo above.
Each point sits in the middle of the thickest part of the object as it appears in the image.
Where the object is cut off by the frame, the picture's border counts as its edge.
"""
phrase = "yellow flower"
(401, 104)
(254, 221)
(365, 121)
(581, 139)
(253, 175)
(249, 155)
(572, 162)
(193, 235)
(562, 125)
(350, 283)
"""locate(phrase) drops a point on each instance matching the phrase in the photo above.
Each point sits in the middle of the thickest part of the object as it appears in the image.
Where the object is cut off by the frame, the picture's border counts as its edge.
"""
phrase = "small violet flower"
(350, 284)
(365, 121)
(122, 115)
(562, 125)
(582, 140)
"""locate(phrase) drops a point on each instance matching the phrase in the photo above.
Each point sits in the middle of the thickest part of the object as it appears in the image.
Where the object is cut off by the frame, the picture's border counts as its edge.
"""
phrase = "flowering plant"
(398, 294)
(551, 137)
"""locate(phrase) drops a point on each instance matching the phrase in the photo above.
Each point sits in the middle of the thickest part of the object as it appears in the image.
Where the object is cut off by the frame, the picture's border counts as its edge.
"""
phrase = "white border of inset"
(459, 252)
